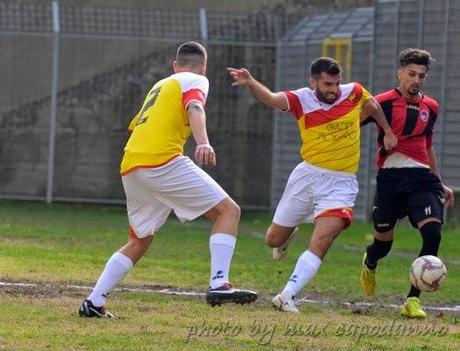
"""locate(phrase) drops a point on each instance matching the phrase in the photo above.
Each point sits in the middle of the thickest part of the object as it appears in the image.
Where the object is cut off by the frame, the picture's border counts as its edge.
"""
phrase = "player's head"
(413, 70)
(325, 76)
(191, 57)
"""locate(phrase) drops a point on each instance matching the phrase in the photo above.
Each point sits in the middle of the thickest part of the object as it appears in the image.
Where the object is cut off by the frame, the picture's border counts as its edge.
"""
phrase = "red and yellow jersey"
(330, 133)
(161, 129)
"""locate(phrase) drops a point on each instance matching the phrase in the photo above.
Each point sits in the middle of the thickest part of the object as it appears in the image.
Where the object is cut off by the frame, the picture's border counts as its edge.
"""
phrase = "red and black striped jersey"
(412, 121)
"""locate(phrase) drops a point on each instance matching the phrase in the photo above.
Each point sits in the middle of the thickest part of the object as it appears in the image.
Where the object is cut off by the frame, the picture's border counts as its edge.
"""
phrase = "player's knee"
(229, 208)
(383, 226)
(234, 210)
(237, 211)
(383, 221)
(273, 239)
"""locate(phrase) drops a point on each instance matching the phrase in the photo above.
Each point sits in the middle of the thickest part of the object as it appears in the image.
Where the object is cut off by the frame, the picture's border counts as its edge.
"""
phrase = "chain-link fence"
(332, 34)
(73, 77)
(374, 37)
(431, 25)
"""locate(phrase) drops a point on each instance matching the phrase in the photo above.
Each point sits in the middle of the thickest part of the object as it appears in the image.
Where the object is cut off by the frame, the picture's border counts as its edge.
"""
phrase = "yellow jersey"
(160, 130)
(330, 133)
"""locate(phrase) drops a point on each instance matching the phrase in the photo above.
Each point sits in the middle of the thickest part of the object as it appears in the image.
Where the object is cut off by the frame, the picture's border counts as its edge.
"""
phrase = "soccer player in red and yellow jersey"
(158, 178)
(323, 187)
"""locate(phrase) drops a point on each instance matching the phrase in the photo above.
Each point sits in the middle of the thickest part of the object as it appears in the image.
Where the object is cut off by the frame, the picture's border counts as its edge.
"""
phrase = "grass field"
(55, 245)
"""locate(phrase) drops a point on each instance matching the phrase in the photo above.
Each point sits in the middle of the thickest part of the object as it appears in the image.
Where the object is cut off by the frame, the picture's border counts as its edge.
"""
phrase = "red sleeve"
(386, 95)
(193, 95)
(295, 107)
(434, 109)
(432, 104)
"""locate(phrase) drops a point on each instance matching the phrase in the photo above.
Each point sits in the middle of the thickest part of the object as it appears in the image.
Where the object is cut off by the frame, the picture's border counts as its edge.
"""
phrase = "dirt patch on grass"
(39, 291)
(51, 290)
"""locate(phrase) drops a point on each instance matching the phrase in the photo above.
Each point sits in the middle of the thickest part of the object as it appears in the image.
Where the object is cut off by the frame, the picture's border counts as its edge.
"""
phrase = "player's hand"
(240, 76)
(205, 155)
(448, 197)
(390, 140)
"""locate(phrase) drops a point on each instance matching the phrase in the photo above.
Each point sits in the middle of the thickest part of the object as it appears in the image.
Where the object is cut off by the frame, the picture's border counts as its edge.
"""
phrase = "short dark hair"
(324, 64)
(191, 53)
(415, 56)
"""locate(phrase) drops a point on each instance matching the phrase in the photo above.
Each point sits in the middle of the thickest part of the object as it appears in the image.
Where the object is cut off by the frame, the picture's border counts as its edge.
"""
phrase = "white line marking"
(165, 291)
(83, 287)
(455, 309)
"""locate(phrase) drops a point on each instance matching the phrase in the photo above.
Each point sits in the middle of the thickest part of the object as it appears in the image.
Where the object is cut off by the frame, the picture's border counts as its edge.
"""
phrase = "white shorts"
(312, 191)
(180, 185)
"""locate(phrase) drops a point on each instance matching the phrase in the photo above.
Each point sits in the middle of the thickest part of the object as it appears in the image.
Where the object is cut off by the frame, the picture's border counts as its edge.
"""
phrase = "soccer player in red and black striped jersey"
(408, 179)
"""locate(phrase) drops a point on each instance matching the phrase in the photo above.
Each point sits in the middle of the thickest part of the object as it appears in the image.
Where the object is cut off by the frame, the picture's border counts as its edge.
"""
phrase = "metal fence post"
(443, 94)
(204, 25)
(396, 36)
(421, 22)
(370, 131)
(275, 126)
(53, 105)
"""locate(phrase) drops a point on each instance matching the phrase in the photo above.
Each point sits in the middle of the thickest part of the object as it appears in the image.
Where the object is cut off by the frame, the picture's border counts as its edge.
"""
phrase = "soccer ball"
(428, 273)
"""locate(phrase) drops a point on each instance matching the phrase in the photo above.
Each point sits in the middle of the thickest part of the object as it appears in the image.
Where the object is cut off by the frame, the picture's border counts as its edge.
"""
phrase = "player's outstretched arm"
(204, 153)
(373, 108)
(448, 192)
(243, 77)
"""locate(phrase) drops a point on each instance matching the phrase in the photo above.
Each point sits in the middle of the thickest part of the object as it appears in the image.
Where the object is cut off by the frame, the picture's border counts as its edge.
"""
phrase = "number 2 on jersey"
(153, 97)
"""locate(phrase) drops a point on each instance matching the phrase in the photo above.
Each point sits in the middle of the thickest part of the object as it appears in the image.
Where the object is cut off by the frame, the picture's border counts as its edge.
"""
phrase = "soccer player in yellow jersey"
(323, 187)
(158, 178)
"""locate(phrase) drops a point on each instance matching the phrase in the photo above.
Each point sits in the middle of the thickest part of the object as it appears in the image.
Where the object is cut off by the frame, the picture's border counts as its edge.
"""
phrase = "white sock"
(221, 246)
(116, 268)
(304, 271)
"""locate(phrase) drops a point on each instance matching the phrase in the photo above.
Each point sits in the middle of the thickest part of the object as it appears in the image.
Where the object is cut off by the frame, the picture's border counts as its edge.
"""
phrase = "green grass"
(154, 322)
(61, 244)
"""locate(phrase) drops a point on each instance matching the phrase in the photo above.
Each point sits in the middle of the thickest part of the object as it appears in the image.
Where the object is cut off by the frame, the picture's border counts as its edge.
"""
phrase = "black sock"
(431, 235)
(377, 250)
(413, 292)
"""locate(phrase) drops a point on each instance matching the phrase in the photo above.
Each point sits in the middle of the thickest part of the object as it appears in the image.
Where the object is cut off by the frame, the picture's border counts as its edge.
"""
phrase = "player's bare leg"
(136, 248)
(226, 217)
(327, 229)
(279, 237)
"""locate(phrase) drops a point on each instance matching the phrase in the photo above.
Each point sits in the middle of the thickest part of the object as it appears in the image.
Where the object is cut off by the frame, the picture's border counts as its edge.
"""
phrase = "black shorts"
(401, 192)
